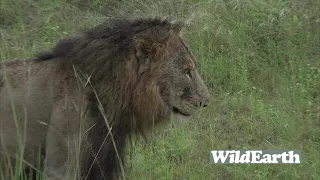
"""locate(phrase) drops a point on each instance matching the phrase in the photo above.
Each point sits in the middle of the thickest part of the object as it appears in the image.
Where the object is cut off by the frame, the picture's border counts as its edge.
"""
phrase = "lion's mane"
(130, 100)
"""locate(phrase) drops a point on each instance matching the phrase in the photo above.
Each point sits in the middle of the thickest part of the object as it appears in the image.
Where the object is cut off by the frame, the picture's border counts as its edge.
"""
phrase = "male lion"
(84, 99)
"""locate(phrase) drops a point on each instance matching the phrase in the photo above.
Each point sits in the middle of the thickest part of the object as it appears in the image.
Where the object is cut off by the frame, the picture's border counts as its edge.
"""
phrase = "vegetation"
(260, 60)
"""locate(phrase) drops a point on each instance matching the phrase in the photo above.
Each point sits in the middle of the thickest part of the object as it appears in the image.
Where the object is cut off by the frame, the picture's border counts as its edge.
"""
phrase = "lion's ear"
(176, 27)
(142, 46)
(174, 30)
(149, 45)
(146, 49)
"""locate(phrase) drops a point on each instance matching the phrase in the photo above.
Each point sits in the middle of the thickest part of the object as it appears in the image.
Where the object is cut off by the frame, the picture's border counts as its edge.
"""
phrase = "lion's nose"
(203, 105)
(205, 102)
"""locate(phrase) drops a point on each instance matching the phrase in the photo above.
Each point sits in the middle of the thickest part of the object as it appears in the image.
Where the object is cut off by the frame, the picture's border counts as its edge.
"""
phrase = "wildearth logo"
(255, 157)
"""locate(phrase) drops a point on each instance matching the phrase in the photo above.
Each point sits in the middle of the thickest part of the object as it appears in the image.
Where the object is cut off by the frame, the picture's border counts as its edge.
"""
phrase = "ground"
(260, 60)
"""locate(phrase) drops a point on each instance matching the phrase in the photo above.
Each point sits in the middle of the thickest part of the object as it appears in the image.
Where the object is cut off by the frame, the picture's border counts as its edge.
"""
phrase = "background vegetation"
(260, 60)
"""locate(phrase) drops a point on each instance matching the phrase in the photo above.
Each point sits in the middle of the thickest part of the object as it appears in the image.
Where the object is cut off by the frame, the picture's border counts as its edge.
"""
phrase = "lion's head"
(168, 71)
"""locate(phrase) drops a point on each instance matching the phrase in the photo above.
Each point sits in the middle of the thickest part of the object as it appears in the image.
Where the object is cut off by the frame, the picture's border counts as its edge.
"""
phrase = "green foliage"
(260, 60)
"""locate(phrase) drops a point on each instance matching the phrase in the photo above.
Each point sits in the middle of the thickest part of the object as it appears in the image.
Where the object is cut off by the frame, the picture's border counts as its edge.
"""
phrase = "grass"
(260, 60)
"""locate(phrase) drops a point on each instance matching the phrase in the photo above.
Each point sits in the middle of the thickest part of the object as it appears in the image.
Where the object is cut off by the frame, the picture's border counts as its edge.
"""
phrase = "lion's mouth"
(177, 111)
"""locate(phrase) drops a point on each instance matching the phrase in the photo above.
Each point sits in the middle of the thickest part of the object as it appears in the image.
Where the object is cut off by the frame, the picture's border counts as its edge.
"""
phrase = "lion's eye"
(188, 74)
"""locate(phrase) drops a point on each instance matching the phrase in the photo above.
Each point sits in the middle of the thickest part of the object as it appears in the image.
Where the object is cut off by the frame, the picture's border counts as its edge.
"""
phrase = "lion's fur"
(117, 70)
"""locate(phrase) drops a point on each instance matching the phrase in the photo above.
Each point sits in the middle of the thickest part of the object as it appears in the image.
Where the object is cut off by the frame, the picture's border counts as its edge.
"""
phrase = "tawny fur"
(129, 74)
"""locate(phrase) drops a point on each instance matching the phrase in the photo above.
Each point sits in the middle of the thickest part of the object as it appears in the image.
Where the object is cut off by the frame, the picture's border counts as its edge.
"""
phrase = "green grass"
(260, 60)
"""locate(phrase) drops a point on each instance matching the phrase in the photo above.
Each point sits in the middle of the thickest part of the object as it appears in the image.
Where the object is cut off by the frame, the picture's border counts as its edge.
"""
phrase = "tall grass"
(260, 60)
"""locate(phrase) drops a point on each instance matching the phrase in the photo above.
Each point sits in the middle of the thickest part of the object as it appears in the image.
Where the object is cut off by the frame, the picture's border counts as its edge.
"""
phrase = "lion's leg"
(63, 145)
(62, 157)
(56, 157)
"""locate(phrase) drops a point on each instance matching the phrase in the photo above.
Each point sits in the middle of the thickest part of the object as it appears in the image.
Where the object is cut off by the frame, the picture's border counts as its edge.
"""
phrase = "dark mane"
(116, 33)
(106, 54)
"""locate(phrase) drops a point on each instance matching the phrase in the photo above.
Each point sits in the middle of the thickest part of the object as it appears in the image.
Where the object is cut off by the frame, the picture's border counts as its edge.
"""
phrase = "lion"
(92, 92)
